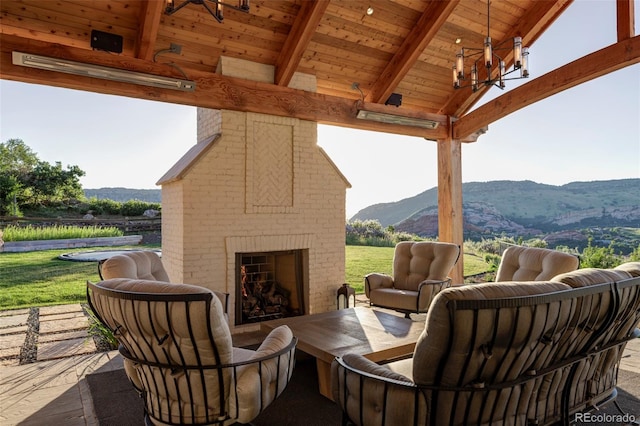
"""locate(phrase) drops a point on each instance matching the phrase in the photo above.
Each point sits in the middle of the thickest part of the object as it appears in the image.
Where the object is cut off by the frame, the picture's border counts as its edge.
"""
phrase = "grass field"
(39, 278)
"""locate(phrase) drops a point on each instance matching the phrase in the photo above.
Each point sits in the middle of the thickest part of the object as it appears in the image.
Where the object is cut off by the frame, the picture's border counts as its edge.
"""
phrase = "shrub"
(599, 257)
(371, 233)
(104, 206)
(99, 330)
(137, 207)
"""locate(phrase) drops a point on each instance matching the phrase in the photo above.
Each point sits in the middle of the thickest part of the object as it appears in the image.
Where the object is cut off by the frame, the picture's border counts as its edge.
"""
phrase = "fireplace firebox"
(269, 285)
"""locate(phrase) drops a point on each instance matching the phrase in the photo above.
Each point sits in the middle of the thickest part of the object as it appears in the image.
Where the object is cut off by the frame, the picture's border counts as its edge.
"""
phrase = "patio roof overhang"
(405, 46)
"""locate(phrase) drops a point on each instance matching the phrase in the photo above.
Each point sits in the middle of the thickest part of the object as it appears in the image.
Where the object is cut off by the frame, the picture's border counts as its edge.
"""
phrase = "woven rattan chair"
(420, 271)
(178, 353)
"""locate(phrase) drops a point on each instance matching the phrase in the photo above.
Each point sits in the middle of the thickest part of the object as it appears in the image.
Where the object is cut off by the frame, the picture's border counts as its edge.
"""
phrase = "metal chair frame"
(130, 345)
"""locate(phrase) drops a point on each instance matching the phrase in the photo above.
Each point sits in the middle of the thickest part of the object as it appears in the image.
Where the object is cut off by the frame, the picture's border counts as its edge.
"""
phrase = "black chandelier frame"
(214, 7)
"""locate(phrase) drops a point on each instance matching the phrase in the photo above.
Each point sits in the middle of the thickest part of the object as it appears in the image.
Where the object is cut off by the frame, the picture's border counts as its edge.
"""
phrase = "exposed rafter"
(303, 29)
(432, 19)
(625, 19)
(150, 15)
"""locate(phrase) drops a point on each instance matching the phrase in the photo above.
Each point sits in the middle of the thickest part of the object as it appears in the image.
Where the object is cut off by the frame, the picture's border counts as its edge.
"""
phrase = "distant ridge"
(125, 194)
(525, 201)
(571, 214)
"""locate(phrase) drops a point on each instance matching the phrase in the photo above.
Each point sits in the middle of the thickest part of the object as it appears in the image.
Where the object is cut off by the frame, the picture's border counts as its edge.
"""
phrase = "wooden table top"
(376, 334)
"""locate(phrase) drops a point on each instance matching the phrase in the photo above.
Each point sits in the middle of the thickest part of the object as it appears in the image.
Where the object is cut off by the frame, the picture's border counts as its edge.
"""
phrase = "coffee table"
(379, 335)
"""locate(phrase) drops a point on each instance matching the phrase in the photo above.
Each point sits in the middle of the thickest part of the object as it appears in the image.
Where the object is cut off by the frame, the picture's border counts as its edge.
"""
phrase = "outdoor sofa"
(514, 353)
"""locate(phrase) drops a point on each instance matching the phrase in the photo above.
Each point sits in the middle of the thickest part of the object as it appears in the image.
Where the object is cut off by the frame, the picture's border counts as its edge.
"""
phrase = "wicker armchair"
(420, 272)
(178, 353)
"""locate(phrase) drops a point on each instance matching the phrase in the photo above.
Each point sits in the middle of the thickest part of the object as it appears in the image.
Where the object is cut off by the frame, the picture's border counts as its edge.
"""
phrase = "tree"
(27, 181)
(16, 161)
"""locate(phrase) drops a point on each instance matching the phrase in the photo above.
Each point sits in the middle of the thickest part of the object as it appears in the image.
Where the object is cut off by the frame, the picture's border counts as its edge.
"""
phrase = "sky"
(590, 132)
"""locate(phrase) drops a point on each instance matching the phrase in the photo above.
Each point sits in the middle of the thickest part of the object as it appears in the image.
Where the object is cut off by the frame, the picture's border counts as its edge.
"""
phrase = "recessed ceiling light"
(458, 40)
(370, 11)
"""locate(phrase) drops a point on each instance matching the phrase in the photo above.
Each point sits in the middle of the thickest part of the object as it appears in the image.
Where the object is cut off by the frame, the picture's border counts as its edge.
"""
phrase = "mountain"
(519, 208)
(125, 194)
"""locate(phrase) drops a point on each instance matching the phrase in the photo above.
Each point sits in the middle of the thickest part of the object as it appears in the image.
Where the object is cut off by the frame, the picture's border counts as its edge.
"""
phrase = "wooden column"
(450, 220)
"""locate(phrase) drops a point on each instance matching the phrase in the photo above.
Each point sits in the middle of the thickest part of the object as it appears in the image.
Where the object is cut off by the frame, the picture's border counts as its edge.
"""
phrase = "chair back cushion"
(143, 265)
(631, 267)
(591, 276)
(534, 264)
(441, 352)
(480, 346)
(259, 385)
(414, 262)
(169, 332)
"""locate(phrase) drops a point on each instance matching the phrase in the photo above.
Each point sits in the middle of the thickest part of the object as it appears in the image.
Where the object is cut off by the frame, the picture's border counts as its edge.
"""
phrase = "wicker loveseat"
(502, 353)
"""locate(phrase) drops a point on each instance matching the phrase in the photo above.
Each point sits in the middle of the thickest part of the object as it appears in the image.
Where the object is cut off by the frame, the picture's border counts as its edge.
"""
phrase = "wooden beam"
(302, 31)
(594, 65)
(213, 90)
(530, 27)
(150, 15)
(433, 17)
(450, 213)
(625, 19)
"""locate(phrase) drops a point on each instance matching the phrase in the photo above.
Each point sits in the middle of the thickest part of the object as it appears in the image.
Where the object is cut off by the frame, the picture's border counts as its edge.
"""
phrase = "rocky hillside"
(525, 208)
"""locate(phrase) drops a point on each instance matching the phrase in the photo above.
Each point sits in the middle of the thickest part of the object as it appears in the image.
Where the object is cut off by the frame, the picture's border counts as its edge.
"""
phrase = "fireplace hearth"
(269, 285)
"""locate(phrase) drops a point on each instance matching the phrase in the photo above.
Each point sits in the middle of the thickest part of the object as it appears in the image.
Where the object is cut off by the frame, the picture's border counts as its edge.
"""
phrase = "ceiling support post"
(450, 218)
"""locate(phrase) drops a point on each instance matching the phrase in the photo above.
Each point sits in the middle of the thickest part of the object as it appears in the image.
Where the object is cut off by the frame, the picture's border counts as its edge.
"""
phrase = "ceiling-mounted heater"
(384, 117)
(97, 71)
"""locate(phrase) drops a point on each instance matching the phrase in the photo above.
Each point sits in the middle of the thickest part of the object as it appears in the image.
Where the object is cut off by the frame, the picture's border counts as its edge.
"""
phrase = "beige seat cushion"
(534, 264)
(414, 263)
(631, 267)
(144, 265)
(433, 346)
(591, 276)
(268, 378)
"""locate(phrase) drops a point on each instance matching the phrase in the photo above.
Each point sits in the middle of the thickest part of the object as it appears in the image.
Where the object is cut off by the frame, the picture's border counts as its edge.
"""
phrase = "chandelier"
(494, 64)
(214, 7)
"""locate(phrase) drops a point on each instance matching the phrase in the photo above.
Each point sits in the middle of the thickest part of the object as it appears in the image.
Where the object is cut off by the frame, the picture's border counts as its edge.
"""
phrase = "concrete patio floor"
(54, 390)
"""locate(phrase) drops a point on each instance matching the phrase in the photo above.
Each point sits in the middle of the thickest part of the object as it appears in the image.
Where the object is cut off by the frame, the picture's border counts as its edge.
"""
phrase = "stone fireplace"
(256, 185)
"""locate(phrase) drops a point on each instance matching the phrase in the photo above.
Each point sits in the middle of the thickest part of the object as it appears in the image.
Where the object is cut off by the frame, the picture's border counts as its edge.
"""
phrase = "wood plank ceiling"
(404, 46)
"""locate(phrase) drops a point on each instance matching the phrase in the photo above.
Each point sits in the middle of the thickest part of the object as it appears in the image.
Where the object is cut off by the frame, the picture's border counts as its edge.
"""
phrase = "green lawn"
(38, 278)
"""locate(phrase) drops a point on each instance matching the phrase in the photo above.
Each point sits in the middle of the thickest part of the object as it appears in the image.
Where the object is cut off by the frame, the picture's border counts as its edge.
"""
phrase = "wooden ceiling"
(404, 46)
